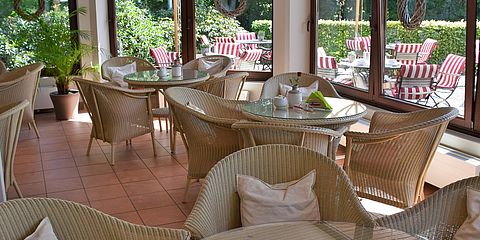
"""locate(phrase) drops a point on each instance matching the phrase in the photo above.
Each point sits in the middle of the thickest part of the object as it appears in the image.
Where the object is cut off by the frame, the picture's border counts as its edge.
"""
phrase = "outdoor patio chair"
(327, 69)
(226, 63)
(426, 50)
(247, 36)
(20, 84)
(218, 205)
(358, 44)
(389, 163)
(20, 217)
(117, 114)
(227, 87)
(407, 53)
(316, 138)
(448, 76)
(162, 57)
(204, 40)
(3, 68)
(234, 51)
(224, 40)
(437, 217)
(10, 123)
(271, 87)
(415, 82)
(204, 122)
(141, 65)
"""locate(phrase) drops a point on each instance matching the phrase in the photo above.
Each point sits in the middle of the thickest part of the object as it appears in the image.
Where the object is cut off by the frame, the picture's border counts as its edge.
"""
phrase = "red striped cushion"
(252, 55)
(426, 50)
(161, 56)
(224, 40)
(450, 71)
(321, 52)
(327, 62)
(353, 45)
(232, 49)
(412, 93)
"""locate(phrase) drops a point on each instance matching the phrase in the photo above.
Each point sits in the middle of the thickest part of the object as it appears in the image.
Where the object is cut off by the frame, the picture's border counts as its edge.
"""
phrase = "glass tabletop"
(341, 108)
(152, 77)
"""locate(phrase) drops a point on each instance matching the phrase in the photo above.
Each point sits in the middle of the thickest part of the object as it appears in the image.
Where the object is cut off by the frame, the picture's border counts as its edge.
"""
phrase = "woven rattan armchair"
(316, 138)
(207, 136)
(117, 114)
(226, 64)
(10, 123)
(218, 206)
(389, 163)
(437, 217)
(228, 87)
(142, 65)
(271, 87)
(20, 84)
(19, 218)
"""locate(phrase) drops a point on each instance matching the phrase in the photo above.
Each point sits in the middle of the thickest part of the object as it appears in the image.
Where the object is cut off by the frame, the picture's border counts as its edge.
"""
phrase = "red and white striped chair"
(448, 76)
(247, 36)
(365, 43)
(415, 82)
(358, 44)
(251, 55)
(224, 40)
(327, 69)
(162, 57)
(406, 53)
(204, 40)
(426, 50)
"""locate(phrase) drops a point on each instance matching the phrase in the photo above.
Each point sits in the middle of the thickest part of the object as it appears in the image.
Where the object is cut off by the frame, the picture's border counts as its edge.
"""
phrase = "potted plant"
(59, 48)
(205, 49)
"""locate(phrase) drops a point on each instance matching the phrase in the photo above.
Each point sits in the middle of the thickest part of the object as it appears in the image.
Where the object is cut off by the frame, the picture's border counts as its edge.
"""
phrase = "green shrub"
(263, 25)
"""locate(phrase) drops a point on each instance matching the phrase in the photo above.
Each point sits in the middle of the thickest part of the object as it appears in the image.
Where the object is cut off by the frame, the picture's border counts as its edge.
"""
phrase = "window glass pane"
(143, 25)
(425, 66)
(247, 39)
(25, 42)
(344, 42)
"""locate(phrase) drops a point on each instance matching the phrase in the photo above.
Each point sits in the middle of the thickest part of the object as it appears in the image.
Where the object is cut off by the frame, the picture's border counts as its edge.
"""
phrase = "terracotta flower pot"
(65, 105)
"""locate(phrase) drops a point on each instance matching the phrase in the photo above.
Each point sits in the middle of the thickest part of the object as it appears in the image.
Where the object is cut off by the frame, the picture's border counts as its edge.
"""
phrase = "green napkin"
(318, 98)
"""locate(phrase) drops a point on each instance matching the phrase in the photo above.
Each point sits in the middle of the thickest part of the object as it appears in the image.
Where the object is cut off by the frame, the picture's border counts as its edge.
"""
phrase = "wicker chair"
(142, 65)
(389, 163)
(439, 216)
(226, 64)
(218, 206)
(20, 84)
(117, 114)
(208, 137)
(316, 138)
(10, 123)
(227, 87)
(271, 87)
(19, 218)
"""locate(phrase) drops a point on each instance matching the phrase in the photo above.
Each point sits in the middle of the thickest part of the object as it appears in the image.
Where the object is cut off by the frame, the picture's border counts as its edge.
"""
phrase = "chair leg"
(172, 135)
(34, 125)
(160, 124)
(89, 146)
(153, 143)
(187, 187)
(17, 188)
(112, 154)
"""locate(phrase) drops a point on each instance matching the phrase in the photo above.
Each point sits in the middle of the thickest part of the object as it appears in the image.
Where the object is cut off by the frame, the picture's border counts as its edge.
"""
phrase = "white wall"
(291, 40)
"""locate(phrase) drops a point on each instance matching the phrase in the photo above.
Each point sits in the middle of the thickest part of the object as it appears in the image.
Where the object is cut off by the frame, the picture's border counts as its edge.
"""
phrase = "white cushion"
(195, 108)
(262, 203)
(470, 229)
(306, 90)
(117, 73)
(210, 67)
(44, 231)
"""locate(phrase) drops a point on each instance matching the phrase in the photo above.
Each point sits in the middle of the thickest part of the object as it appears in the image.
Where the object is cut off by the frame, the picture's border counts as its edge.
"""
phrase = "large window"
(403, 69)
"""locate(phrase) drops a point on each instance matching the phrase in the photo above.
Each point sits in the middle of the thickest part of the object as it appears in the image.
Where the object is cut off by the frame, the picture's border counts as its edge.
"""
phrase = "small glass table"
(344, 112)
(151, 79)
(311, 230)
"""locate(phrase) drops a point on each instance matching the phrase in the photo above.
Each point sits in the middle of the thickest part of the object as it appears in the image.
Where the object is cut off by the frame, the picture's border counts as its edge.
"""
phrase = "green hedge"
(450, 36)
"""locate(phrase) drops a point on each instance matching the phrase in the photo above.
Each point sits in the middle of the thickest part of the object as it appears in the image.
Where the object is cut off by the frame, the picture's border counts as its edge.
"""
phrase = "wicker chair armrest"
(244, 124)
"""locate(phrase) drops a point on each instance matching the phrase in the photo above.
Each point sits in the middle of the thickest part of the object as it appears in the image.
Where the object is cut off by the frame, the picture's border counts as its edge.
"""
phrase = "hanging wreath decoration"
(414, 21)
(220, 5)
(28, 16)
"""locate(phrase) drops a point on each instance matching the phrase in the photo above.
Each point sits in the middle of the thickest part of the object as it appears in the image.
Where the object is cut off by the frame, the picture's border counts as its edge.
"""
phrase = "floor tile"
(105, 192)
(176, 225)
(161, 216)
(32, 189)
(100, 180)
(151, 200)
(90, 160)
(74, 195)
(61, 173)
(27, 158)
(134, 175)
(96, 169)
(175, 182)
(63, 185)
(113, 206)
(27, 167)
(54, 147)
(142, 187)
(29, 177)
(168, 171)
(128, 165)
(160, 161)
(57, 164)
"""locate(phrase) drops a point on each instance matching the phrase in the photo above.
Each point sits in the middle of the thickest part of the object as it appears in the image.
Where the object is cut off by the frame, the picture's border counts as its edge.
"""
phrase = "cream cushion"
(306, 90)
(117, 73)
(210, 67)
(470, 229)
(44, 231)
(262, 203)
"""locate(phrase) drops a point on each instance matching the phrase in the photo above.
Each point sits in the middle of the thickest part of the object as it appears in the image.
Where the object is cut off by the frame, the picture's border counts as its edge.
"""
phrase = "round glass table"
(344, 112)
(311, 230)
(152, 79)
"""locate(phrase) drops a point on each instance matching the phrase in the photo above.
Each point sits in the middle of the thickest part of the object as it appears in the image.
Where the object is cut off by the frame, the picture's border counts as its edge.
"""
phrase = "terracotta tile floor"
(140, 188)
